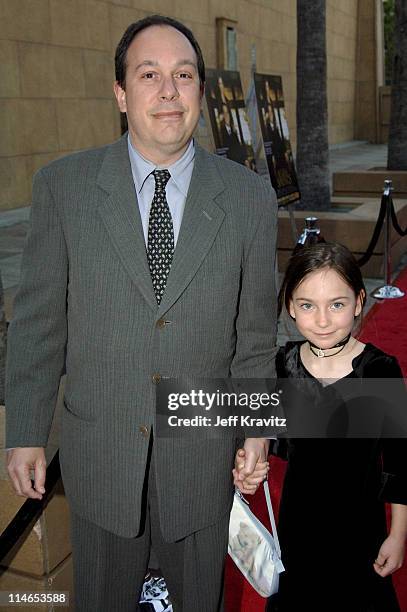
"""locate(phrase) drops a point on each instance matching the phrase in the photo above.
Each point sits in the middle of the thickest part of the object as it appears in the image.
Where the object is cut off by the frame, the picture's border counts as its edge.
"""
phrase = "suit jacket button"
(143, 430)
(156, 378)
(160, 323)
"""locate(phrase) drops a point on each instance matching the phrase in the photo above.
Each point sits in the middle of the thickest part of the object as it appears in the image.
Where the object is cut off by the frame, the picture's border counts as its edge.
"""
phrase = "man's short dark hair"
(142, 24)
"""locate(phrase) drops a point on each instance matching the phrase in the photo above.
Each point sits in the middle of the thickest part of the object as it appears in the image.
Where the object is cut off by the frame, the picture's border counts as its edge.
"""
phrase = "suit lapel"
(120, 214)
(200, 223)
(121, 217)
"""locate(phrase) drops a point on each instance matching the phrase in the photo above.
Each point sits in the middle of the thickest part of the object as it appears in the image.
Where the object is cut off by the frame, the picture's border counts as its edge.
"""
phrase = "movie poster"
(228, 117)
(276, 138)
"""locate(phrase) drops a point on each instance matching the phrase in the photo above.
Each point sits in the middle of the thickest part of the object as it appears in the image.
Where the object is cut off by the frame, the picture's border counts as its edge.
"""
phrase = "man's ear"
(120, 94)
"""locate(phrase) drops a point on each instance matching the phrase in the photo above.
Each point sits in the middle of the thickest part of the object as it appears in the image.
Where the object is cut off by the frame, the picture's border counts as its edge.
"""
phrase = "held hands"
(251, 465)
(390, 557)
(20, 461)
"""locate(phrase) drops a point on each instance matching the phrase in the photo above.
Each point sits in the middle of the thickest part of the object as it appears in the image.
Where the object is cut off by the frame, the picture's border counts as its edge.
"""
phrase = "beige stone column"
(369, 69)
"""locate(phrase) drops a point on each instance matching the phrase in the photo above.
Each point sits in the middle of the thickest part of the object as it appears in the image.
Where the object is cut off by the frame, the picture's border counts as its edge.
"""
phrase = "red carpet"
(385, 326)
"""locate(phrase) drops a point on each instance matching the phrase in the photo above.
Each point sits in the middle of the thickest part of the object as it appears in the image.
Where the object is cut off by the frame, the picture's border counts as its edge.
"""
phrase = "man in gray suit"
(147, 258)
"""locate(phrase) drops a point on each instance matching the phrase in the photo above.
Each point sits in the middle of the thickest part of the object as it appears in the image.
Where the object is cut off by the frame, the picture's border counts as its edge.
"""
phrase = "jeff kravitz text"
(231, 421)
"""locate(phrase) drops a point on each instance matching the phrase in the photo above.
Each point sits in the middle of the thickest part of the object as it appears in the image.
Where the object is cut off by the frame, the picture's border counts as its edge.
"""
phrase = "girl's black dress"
(332, 516)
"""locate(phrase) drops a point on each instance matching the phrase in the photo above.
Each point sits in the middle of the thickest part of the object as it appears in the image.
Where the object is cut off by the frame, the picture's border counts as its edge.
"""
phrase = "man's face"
(162, 95)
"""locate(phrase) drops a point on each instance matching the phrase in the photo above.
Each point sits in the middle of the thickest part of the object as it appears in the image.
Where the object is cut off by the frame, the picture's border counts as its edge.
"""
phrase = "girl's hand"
(248, 485)
(390, 557)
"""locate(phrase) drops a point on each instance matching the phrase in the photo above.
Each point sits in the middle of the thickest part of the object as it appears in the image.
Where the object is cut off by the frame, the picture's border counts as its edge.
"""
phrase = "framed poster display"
(276, 138)
(228, 116)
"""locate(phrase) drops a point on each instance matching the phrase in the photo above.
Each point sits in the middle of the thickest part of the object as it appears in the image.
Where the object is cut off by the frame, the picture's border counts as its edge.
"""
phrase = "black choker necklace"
(321, 352)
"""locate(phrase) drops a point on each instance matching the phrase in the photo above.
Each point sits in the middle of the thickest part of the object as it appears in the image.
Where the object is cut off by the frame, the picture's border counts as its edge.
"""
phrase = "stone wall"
(56, 70)
(341, 29)
(369, 70)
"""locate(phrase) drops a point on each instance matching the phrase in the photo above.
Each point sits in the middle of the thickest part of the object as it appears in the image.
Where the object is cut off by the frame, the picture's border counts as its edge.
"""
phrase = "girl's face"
(324, 307)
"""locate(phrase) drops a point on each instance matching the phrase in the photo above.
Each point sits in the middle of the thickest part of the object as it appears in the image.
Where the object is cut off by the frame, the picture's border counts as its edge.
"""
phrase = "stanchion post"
(311, 233)
(387, 291)
(388, 188)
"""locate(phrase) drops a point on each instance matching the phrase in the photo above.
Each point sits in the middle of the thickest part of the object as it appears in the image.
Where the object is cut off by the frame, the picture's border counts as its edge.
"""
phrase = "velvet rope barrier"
(395, 221)
(376, 232)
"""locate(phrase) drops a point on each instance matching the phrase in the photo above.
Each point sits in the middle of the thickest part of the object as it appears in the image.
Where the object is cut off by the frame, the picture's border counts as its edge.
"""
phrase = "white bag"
(253, 548)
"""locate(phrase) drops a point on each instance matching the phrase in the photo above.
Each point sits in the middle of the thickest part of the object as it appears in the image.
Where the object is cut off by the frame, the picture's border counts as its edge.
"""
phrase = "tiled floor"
(357, 156)
(13, 230)
(12, 238)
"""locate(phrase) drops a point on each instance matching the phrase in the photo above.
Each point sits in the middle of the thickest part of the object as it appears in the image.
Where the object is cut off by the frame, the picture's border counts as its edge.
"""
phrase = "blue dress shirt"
(176, 189)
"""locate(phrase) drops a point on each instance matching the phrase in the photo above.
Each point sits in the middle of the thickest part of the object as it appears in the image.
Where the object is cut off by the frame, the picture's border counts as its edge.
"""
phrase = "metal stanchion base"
(387, 292)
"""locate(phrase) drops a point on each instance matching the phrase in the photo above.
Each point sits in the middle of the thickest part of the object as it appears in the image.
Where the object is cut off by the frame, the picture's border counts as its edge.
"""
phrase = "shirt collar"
(142, 168)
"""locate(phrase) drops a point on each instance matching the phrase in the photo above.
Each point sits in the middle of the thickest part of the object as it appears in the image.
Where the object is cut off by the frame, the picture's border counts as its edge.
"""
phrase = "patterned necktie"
(160, 245)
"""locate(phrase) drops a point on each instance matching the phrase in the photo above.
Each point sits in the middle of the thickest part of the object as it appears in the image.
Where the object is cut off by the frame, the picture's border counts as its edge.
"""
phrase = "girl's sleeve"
(394, 450)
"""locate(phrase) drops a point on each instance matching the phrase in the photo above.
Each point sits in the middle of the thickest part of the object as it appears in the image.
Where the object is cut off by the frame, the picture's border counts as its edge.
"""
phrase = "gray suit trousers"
(109, 569)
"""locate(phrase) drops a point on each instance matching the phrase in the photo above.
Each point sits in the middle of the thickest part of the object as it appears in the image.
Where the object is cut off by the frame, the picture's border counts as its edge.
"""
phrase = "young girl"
(332, 527)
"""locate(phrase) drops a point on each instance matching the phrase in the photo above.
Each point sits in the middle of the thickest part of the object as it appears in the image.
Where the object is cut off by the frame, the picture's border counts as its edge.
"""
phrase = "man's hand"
(20, 461)
(251, 465)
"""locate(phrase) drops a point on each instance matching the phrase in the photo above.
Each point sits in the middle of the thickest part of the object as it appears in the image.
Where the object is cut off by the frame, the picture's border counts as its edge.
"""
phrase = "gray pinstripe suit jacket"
(86, 299)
